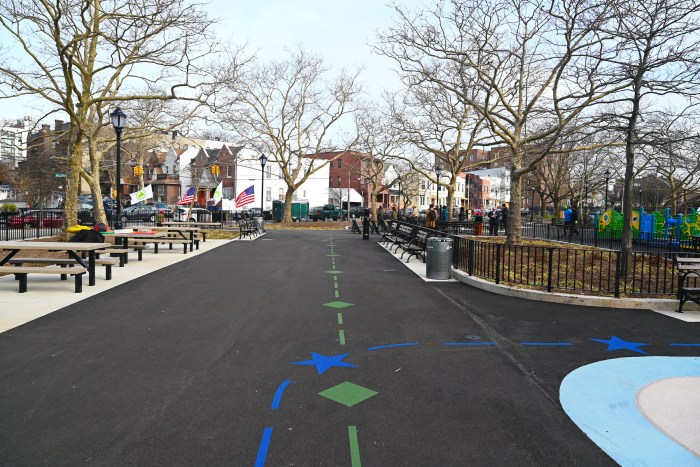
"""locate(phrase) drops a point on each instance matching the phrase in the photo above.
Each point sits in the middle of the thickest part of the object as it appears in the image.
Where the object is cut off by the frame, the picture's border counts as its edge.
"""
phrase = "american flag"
(247, 196)
(188, 197)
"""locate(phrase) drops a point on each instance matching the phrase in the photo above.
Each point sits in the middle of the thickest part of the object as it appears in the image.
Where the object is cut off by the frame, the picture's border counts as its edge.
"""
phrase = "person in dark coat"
(493, 222)
(504, 217)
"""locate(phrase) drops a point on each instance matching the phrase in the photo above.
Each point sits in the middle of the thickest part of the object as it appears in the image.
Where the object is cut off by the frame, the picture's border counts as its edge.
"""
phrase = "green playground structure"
(647, 226)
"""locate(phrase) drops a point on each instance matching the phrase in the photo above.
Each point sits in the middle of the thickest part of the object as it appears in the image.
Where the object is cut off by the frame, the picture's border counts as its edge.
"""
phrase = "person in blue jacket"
(567, 218)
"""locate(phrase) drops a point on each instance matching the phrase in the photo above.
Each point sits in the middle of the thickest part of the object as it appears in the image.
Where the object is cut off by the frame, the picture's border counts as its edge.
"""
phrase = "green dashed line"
(337, 294)
(341, 336)
(340, 318)
(335, 285)
(354, 447)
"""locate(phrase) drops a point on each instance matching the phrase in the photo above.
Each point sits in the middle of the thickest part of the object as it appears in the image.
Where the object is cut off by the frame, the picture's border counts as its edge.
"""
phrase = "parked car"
(255, 212)
(167, 210)
(140, 213)
(324, 212)
(195, 215)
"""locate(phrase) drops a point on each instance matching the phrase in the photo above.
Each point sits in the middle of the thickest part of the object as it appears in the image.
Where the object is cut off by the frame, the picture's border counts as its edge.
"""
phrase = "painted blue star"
(323, 363)
(615, 343)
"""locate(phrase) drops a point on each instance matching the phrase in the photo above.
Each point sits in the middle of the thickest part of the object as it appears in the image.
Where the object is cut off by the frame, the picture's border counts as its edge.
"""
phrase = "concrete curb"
(657, 304)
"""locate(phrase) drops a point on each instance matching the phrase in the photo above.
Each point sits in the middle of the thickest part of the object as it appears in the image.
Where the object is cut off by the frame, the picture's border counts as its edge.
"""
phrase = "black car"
(140, 213)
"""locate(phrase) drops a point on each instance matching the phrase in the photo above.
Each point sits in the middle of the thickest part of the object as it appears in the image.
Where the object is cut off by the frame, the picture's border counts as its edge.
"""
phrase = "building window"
(281, 193)
(268, 194)
(422, 200)
(269, 171)
(229, 171)
(331, 165)
(340, 180)
(228, 192)
(161, 190)
(340, 163)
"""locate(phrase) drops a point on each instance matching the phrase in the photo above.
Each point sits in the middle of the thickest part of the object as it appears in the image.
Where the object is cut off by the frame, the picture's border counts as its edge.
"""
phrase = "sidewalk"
(46, 294)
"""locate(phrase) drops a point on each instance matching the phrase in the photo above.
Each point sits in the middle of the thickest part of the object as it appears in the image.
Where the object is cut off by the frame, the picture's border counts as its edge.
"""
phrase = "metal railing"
(570, 270)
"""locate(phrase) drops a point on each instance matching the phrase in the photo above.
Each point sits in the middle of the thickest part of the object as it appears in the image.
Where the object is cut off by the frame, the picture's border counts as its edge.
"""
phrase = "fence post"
(617, 274)
(498, 264)
(549, 226)
(470, 257)
(549, 268)
(595, 235)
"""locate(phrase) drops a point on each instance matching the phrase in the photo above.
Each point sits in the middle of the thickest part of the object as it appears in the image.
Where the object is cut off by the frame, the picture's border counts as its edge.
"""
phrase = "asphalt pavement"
(319, 348)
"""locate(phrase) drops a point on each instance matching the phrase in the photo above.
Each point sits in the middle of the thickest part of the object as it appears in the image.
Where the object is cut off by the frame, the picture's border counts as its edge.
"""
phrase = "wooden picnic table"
(123, 238)
(194, 224)
(70, 248)
(184, 232)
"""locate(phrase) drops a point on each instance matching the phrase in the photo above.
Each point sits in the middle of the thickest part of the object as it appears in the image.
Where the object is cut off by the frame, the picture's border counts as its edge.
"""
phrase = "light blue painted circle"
(601, 398)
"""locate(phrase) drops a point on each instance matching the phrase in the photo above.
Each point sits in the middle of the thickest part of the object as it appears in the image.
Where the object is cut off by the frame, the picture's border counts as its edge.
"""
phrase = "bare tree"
(656, 58)
(531, 61)
(382, 146)
(80, 57)
(292, 109)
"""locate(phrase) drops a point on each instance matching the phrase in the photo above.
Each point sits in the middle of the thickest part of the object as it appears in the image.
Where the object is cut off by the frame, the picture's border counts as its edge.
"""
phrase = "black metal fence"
(570, 270)
(610, 239)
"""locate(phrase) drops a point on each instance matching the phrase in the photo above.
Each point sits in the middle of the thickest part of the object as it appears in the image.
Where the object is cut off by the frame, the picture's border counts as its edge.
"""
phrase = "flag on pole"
(247, 196)
(188, 197)
(142, 195)
(218, 193)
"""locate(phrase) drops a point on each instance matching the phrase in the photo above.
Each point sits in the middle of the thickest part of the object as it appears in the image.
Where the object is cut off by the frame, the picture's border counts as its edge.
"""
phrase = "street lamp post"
(585, 200)
(263, 161)
(399, 203)
(438, 172)
(607, 181)
(118, 119)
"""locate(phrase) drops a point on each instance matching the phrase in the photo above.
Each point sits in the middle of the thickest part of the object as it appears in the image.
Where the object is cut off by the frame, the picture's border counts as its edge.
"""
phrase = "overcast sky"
(339, 30)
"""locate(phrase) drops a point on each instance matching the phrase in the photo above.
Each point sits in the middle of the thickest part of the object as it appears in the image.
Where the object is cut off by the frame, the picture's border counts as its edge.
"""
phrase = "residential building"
(13, 142)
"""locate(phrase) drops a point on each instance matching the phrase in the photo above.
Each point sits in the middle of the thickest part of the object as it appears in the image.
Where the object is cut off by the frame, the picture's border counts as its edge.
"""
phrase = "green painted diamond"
(348, 394)
(338, 304)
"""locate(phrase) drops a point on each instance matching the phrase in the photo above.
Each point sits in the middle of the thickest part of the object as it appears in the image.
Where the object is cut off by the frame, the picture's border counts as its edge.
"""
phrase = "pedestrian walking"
(567, 218)
(462, 215)
(380, 213)
(431, 217)
(493, 222)
(444, 214)
(504, 217)
(573, 220)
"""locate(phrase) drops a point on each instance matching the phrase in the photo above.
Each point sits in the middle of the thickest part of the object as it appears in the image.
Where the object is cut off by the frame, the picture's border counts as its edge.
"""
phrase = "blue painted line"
(278, 395)
(264, 445)
(548, 344)
(389, 346)
(469, 344)
(684, 345)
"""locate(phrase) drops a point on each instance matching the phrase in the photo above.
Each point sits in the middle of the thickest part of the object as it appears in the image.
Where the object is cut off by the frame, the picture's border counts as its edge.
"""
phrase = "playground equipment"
(651, 226)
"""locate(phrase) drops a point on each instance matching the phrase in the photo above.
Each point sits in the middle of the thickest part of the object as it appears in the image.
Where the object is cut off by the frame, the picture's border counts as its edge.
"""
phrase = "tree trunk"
(288, 198)
(514, 234)
(73, 183)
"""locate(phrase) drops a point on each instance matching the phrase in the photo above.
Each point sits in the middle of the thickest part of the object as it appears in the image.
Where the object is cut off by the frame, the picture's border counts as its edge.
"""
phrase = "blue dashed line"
(264, 446)
(389, 346)
(278, 395)
(469, 344)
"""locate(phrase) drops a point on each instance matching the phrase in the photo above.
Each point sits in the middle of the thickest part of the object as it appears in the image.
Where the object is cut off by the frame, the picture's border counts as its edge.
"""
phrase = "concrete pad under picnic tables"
(46, 294)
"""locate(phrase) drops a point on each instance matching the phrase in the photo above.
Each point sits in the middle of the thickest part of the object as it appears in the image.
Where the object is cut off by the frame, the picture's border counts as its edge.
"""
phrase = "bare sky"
(339, 30)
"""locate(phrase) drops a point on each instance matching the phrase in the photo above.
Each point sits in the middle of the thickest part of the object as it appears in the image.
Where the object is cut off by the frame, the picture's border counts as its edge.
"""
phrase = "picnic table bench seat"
(21, 273)
(65, 262)
(688, 270)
